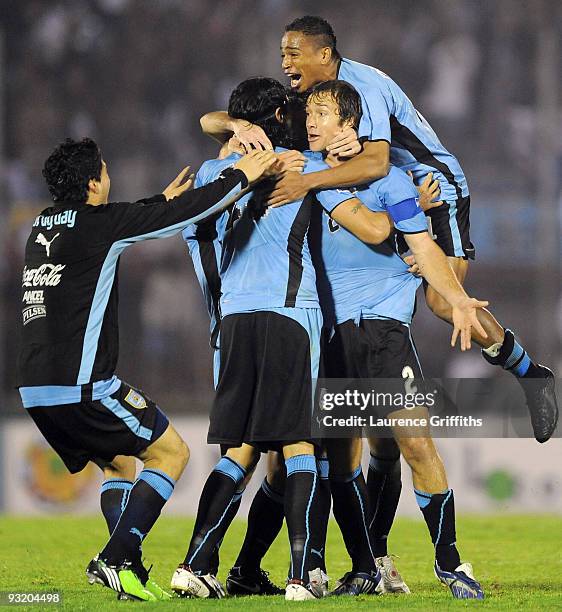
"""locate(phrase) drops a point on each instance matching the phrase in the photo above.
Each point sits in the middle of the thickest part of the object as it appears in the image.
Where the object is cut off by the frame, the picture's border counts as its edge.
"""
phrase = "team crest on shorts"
(135, 399)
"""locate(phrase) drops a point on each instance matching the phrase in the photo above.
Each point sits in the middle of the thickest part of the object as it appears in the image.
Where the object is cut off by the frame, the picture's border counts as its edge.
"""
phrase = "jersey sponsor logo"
(33, 297)
(68, 218)
(46, 243)
(135, 399)
(31, 313)
(46, 275)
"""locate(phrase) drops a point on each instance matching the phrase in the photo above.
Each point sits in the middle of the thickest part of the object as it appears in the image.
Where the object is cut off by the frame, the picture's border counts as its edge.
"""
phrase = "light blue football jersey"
(357, 280)
(264, 255)
(388, 114)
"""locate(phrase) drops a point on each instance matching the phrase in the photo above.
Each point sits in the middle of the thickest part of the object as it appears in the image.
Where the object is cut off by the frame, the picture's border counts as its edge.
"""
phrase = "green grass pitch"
(517, 559)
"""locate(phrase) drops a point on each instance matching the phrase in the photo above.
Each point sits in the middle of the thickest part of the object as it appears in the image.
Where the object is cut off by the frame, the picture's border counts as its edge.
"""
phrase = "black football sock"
(151, 491)
(219, 494)
(265, 520)
(214, 561)
(351, 510)
(384, 485)
(511, 356)
(113, 499)
(438, 510)
(300, 491)
(321, 510)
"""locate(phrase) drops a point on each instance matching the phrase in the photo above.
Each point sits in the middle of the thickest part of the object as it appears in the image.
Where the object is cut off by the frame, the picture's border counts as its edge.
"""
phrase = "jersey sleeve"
(399, 197)
(375, 121)
(145, 221)
(329, 199)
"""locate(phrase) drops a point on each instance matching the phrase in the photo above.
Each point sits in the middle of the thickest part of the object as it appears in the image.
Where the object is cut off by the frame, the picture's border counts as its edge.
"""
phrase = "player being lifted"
(394, 131)
(69, 347)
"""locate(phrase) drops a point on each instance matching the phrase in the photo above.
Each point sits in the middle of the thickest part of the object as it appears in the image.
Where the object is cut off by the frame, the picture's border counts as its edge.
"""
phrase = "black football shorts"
(123, 423)
(268, 365)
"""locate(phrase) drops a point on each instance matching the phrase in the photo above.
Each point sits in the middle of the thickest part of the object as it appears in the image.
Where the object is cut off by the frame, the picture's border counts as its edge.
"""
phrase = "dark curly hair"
(256, 101)
(70, 167)
(345, 96)
(318, 27)
(295, 121)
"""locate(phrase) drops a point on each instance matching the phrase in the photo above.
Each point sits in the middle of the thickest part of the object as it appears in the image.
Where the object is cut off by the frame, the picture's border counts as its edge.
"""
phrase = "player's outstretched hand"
(251, 136)
(345, 144)
(465, 319)
(176, 187)
(429, 192)
(254, 165)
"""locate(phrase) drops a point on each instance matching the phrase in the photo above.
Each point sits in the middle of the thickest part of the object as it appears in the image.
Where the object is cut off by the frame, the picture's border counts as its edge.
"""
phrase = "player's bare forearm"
(217, 125)
(220, 126)
(434, 267)
(370, 227)
(369, 165)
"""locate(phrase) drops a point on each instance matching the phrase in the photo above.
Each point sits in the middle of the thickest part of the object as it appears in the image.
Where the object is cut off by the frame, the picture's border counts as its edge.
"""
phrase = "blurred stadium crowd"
(137, 74)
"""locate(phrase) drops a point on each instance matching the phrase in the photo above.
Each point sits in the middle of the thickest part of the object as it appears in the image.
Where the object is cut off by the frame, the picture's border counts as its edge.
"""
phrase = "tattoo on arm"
(356, 208)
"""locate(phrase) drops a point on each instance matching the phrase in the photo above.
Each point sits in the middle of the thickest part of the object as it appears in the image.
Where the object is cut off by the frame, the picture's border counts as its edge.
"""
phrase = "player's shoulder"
(395, 187)
(313, 162)
(352, 70)
(211, 169)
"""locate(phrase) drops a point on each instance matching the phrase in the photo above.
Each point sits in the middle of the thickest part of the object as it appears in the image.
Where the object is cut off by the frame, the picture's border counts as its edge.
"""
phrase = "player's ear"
(279, 115)
(326, 56)
(93, 186)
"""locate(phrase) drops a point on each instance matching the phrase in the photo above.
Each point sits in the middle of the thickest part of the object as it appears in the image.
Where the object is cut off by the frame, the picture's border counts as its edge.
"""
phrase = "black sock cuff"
(383, 465)
(346, 478)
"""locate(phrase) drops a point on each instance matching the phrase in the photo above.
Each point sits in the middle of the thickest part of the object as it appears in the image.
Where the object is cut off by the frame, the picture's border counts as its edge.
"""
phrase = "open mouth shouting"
(295, 79)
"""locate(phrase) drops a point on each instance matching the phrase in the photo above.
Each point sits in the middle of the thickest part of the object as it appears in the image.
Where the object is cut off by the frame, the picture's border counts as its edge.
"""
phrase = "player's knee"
(247, 456)
(417, 451)
(276, 472)
(121, 467)
(297, 448)
(169, 453)
(176, 458)
(384, 448)
(183, 454)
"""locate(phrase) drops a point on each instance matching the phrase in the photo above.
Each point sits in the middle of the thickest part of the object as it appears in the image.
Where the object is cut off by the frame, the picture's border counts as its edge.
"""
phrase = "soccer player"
(394, 131)
(69, 347)
(266, 514)
(368, 297)
(269, 355)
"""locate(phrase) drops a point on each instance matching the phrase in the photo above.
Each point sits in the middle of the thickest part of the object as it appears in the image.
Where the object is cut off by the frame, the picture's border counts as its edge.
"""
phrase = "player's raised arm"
(220, 126)
(435, 268)
(159, 219)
